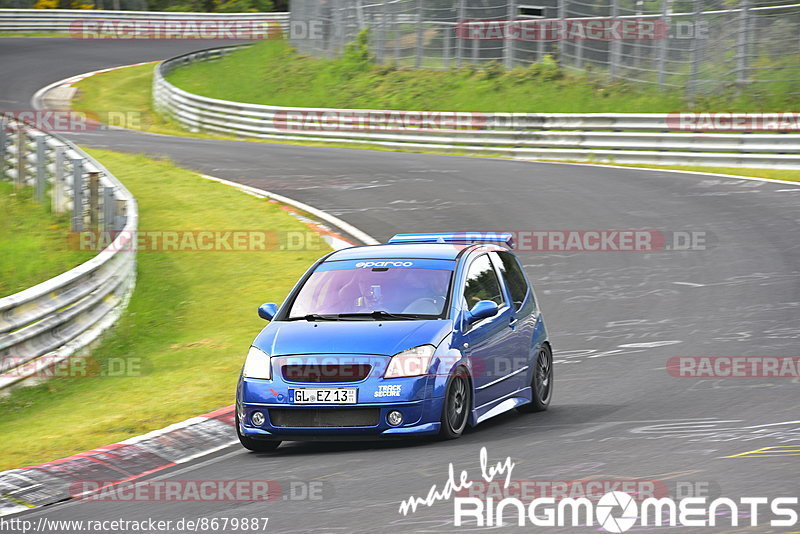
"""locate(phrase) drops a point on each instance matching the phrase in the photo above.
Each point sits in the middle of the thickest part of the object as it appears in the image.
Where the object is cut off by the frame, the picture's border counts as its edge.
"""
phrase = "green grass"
(34, 34)
(129, 89)
(190, 320)
(774, 174)
(33, 241)
(125, 96)
(271, 72)
(127, 93)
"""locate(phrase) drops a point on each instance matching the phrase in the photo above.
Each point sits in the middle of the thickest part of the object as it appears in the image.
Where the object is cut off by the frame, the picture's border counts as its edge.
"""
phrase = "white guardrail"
(646, 138)
(64, 20)
(45, 324)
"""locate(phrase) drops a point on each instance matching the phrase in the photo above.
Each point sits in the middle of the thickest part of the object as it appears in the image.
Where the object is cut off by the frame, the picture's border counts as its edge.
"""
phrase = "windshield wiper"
(380, 314)
(315, 317)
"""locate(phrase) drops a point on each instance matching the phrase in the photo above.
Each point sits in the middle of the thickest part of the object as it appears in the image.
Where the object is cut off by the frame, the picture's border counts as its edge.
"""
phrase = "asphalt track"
(614, 318)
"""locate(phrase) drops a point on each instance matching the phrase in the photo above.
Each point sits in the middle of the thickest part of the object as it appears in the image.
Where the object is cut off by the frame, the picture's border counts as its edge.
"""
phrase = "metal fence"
(64, 20)
(600, 137)
(50, 321)
(700, 45)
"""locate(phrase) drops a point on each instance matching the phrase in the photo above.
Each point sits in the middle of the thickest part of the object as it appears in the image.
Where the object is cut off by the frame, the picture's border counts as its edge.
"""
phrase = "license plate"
(323, 395)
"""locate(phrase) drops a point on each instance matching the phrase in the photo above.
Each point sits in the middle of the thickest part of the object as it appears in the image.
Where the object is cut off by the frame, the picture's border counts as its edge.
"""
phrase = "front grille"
(325, 373)
(315, 417)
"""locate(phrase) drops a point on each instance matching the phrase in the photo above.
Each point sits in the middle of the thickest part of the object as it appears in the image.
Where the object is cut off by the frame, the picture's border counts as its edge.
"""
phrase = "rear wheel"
(255, 445)
(457, 404)
(541, 383)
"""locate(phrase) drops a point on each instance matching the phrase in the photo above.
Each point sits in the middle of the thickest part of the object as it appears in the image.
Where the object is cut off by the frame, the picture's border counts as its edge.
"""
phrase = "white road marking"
(649, 345)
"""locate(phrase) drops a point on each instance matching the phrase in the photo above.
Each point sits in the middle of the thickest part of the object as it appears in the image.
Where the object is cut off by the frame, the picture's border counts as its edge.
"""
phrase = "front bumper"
(413, 397)
(417, 420)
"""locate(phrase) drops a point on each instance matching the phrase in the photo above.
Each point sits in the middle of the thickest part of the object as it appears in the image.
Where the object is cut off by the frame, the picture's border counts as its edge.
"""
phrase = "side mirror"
(482, 310)
(267, 311)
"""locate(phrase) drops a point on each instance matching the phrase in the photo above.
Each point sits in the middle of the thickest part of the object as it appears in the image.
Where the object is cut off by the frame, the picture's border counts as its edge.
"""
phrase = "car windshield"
(372, 293)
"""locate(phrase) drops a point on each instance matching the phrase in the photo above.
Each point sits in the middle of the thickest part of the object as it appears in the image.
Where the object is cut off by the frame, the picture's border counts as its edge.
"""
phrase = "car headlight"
(411, 362)
(257, 364)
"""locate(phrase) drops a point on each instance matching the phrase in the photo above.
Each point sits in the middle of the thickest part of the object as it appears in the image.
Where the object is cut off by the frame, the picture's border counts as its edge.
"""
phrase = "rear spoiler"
(468, 238)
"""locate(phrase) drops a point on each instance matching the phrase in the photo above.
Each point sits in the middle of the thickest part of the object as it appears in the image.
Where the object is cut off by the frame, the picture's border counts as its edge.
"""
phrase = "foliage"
(189, 321)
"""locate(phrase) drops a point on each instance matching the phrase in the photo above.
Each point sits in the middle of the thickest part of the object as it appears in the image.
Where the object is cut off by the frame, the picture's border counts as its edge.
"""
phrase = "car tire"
(457, 405)
(256, 445)
(541, 383)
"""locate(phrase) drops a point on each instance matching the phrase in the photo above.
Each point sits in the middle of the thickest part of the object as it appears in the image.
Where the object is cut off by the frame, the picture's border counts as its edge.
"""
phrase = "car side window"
(482, 283)
(514, 277)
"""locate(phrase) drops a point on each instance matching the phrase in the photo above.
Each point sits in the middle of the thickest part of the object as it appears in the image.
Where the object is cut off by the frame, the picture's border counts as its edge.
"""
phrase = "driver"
(371, 286)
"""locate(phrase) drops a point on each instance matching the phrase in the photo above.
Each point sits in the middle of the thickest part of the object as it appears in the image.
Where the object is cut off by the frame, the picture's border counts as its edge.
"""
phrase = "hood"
(349, 337)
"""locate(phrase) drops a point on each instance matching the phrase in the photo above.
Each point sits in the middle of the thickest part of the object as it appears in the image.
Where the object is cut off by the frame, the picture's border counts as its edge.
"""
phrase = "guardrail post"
(460, 30)
(41, 168)
(540, 50)
(108, 209)
(382, 35)
(19, 181)
(119, 214)
(697, 52)
(562, 44)
(446, 47)
(508, 41)
(666, 8)
(420, 36)
(59, 195)
(636, 45)
(398, 34)
(94, 199)
(613, 46)
(77, 195)
(742, 44)
(333, 37)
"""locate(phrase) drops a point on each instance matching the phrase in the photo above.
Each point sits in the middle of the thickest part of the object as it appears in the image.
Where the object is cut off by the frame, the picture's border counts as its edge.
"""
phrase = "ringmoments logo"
(615, 511)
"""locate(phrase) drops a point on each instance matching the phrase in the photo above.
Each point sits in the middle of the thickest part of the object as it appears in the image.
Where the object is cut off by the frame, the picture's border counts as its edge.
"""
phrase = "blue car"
(424, 335)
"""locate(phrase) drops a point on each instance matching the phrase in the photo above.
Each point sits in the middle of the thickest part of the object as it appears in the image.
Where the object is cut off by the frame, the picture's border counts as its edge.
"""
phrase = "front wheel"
(255, 445)
(541, 383)
(457, 403)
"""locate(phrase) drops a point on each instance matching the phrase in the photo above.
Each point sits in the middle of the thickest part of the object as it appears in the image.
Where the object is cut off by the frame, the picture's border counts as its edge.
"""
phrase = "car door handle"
(513, 322)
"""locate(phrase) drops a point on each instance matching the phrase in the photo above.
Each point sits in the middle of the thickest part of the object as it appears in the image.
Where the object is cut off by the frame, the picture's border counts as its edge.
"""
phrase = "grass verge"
(128, 90)
(33, 244)
(33, 34)
(124, 94)
(188, 324)
(773, 174)
(271, 72)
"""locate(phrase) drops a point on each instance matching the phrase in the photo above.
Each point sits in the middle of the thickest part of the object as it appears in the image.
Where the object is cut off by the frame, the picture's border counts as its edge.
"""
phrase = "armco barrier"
(50, 321)
(601, 137)
(62, 20)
